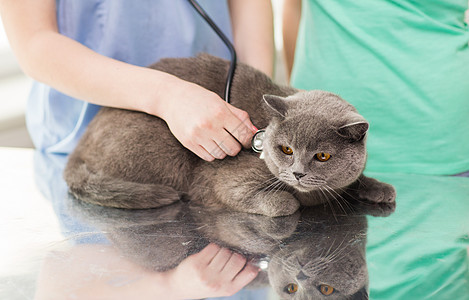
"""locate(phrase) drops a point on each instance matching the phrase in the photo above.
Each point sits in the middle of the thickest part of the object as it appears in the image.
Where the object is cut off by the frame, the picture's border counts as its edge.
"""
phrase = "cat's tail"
(99, 189)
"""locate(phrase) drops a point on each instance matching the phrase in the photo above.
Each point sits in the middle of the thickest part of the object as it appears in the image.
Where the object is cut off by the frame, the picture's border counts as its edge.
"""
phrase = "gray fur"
(130, 159)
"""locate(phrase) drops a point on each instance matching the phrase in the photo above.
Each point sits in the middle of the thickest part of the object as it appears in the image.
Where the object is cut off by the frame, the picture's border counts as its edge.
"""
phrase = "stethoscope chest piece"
(257, 142)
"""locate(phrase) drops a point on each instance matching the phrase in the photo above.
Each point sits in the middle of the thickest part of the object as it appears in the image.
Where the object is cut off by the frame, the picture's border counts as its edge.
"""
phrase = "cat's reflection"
(315, 253)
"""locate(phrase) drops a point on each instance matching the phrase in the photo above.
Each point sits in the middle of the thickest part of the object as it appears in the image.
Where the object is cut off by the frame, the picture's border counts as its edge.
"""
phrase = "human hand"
(204, 123)
(213, 272)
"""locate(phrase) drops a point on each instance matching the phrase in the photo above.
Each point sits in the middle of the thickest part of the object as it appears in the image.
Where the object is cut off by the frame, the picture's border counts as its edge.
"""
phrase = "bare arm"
(207, 125)
(70, 67)
(252, 23)
(100, 272)
(290, 23)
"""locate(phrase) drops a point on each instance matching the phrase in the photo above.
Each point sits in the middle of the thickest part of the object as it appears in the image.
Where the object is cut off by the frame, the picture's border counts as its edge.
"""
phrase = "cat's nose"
(301, 276)
(361, 295)
(298, 175)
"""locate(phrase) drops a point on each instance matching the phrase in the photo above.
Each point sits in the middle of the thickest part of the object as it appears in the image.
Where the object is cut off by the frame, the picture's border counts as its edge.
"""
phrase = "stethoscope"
(225, 40)
(257, 142)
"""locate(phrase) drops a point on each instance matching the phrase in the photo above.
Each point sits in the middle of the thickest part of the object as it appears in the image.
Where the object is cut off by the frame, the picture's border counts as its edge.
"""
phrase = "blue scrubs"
(137, 32)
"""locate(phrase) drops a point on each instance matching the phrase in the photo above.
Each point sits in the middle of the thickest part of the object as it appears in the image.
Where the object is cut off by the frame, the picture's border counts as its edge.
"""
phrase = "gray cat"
(314, 151)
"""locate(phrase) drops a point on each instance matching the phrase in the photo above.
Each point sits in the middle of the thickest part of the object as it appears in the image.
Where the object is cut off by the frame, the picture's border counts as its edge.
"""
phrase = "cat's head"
(326, 259)
(315, 140)
(310, 272)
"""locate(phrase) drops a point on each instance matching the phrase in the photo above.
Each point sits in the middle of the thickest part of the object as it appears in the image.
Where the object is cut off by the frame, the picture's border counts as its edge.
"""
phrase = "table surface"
(57, 247)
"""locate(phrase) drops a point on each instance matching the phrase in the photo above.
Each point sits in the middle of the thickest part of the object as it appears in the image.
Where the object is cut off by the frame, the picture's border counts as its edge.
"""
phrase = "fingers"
(230, 265)
(217, 144)
(208, 253)
(240, 126)
(220, 259)
(234, 265)
(237, 130)
(216, 272)
(215, 152)
(200, 152)
(226, 143)
(208, 126)
(245, 276)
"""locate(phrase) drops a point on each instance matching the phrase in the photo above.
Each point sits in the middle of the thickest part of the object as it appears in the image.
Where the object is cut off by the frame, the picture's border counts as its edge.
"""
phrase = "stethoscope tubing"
(225, 40)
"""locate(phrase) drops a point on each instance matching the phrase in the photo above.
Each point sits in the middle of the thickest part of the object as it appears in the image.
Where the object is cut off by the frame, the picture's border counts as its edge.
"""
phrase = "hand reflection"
(100, 272)
(213, 272)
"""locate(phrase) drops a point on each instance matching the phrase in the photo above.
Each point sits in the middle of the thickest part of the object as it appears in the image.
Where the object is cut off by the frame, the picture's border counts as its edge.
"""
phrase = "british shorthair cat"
(313, 151)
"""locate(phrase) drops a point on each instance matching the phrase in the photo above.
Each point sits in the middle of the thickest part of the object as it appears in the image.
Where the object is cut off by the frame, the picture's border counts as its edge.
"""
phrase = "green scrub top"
(420, 251)
(404, 64)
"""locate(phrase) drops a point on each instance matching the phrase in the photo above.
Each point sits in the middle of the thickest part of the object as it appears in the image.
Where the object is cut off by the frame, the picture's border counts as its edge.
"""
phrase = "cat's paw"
(378, 192)
(375, 198)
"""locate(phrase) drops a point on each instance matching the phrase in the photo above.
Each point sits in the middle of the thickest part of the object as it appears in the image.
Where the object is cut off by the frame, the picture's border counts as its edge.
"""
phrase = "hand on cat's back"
(207, 125)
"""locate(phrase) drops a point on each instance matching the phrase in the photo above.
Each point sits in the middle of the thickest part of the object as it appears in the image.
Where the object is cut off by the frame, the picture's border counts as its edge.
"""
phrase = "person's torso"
(404, 65)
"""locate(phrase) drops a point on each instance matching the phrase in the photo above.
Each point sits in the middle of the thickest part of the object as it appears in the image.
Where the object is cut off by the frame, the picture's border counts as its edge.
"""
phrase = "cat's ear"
(354, 129)
(276, 104)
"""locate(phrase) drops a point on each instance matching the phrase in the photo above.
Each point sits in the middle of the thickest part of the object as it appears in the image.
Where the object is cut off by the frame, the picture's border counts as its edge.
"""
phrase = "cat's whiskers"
(287, 177)
(271, 183)
(315, 266)
(328, 201)
(342, 190)
(313, 182)
(287, 265)
(331, 257)
(275, 188)
(355, 198)
(287, 261)
(332, 252)
(255, 188)
(340, 199)
(332, 196)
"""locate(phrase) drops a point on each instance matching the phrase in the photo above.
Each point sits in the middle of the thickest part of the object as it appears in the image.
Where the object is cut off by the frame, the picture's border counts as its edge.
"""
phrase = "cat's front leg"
(245, 184)
(256, 194)
(274, 204)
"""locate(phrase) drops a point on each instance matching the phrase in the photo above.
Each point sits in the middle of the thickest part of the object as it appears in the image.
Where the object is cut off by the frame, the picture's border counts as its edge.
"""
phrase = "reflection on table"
(311, 254)
(418, 252)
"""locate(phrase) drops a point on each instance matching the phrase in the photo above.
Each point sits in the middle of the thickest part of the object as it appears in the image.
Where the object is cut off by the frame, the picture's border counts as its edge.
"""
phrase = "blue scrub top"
(137, 32)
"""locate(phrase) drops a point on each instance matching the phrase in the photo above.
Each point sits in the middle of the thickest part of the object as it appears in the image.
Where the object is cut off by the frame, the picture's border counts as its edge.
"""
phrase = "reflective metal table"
(57, 247)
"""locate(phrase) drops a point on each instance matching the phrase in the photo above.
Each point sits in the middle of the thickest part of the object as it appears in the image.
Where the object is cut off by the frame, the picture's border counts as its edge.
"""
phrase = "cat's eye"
(326, 289)
(322, 156)
(291, 288)
(287, 150)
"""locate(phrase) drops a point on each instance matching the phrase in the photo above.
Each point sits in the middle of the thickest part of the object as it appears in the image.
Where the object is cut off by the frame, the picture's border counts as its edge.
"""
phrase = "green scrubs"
(420, 251)
(404, 64)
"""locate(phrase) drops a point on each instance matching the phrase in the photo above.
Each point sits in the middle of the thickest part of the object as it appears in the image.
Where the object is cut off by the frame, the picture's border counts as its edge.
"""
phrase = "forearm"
(252, 23)
(74, 273)
(74, 69)
(84, 74)
(291, 20)
(100, 272)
